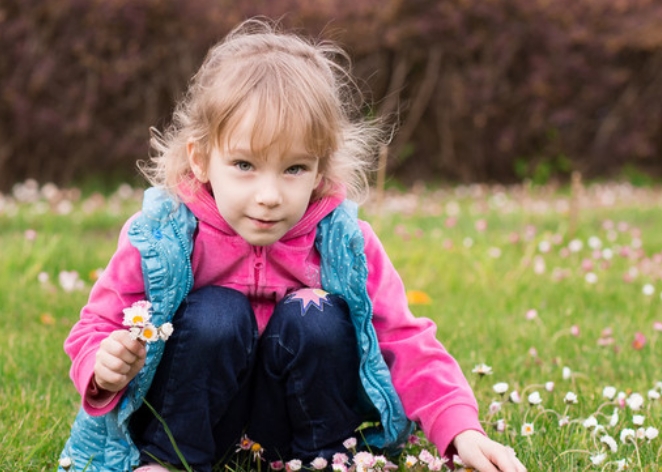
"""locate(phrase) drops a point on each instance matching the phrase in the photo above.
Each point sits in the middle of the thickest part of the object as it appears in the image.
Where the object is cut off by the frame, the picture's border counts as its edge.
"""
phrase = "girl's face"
(260, 197)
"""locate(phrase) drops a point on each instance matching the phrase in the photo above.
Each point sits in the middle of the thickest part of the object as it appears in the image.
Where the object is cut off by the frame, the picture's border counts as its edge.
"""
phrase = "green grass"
(481, 284)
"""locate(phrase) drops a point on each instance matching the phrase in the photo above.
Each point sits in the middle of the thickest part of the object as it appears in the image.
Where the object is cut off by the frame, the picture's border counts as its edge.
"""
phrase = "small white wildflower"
(514, 397)
(627, 434)
(349, 443)
(500, 387)
(549, 386)
(527, 429)
(610, 442)
(598, 458)
(653, 394)
(638, 420)
(570, 398)
(590, 422)
(340, 458)
(567, 373)
(294, 465)
(319, 463)
(494, 252)
(70, 281)
(534, 398)
(500, 425)
(591, 278)
(410, 461)
(648, 290)
(594, 242)
(137, 314)
(575, 245)
(65, 463)
(482, 369)
(544, 246)
(651, 433)
(563, 421)
(635, 401)
(364, 460)
(494, 408)
(613, 419)
(622, 464)
(609, 392)
(437, 464)
(425, 456)
(165, 331)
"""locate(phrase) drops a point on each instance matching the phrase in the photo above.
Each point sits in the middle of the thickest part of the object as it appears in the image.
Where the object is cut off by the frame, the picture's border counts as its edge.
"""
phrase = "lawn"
(549, 299)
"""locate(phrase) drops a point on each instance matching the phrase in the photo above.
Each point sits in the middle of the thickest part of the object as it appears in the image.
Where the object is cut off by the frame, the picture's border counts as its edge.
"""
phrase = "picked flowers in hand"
(138, 318)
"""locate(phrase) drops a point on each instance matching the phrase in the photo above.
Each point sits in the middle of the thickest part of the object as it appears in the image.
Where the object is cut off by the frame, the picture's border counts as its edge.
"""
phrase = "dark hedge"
(484, 91)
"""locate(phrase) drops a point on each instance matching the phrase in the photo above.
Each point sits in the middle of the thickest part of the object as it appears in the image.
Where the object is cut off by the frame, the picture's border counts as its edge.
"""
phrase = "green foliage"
(475, 84)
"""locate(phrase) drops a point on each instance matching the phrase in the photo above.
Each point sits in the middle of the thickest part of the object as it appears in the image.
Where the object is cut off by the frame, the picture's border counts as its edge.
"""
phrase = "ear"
(318, 179)
(197, 161)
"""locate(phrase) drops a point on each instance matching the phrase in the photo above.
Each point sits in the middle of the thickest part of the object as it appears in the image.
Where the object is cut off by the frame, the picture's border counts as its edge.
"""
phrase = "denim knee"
(215, 316)
(310, 330)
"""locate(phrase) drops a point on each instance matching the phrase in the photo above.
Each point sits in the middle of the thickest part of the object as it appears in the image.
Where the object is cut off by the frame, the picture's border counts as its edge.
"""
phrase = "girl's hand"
(118, 361)
(481, 453)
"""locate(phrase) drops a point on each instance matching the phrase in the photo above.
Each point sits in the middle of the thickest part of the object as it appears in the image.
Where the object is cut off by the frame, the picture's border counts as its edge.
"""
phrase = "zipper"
(258, 265)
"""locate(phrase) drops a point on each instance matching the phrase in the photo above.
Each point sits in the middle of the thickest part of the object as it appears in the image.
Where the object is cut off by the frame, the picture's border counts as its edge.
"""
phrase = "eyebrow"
(295, 157)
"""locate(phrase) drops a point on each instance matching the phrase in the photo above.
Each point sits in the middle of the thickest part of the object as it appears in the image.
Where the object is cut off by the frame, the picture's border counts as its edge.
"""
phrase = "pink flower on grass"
(531, 314)
(364, 461)
(293, 466)
(426, 456)
(319, 463)
(245, 444)
(639, 341)
(349, 443)
(340, 458)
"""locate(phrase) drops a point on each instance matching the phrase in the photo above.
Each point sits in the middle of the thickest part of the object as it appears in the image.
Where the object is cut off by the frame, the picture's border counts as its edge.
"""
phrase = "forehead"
(264, 131)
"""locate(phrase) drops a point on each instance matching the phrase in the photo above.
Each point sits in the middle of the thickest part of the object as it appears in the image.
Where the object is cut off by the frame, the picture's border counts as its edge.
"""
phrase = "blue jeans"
(293, 390)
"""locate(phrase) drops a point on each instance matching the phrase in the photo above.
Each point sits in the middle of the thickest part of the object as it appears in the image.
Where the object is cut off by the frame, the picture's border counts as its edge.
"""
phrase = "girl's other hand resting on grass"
(481, 453)
(118, 361)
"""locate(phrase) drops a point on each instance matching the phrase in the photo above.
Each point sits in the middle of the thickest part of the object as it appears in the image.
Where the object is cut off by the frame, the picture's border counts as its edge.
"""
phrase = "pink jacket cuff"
(452, 422)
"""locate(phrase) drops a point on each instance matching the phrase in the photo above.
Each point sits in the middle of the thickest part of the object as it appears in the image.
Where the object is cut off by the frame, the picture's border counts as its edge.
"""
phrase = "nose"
(268, 193)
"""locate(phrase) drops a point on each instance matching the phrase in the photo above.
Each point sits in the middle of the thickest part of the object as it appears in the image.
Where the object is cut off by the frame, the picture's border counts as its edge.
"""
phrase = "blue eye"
(295, 170)
(243, 166)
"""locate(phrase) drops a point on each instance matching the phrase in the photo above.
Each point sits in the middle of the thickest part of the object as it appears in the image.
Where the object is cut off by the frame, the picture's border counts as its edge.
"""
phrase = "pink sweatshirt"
(430, 383)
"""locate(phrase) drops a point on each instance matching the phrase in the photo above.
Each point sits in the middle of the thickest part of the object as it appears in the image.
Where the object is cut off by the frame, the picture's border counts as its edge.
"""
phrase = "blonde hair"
(301, 89)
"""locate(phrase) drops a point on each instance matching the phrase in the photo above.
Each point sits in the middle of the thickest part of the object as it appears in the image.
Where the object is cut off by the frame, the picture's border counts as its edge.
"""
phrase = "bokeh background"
(484, 91)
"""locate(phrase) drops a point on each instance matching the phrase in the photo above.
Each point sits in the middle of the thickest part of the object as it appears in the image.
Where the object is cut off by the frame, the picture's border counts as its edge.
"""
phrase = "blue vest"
(163, 234)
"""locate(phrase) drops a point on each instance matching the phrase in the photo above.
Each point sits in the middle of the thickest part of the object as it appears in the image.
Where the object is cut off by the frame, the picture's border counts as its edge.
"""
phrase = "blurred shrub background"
(485, 91)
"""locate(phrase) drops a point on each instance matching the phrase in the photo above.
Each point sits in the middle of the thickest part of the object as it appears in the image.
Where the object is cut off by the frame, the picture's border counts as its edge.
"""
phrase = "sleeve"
(119, 286)
(429, 381)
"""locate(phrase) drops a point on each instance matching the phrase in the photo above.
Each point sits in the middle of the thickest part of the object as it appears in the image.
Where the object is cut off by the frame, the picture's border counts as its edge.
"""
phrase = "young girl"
(288, 322)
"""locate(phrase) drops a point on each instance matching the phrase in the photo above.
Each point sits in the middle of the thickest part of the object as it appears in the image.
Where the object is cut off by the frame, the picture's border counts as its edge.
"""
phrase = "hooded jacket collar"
(202, 204)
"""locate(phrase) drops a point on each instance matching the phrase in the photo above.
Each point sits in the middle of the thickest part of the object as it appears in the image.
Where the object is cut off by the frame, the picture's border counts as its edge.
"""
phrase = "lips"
(264, 223)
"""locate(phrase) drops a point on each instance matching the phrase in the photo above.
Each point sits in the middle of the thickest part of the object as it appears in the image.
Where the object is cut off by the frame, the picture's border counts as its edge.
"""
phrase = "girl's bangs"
(282, 116)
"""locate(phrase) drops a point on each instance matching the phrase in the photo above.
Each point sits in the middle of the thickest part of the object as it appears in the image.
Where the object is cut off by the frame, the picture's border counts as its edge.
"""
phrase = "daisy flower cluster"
(138, 318)
(418, 455)
(612, 435)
